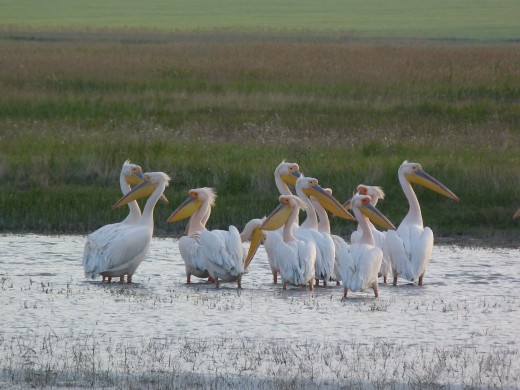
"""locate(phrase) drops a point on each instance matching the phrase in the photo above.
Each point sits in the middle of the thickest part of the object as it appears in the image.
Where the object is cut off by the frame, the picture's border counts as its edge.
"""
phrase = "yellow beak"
(377, 217)
(256, 240)
(328, 202)
(185, 210)
(135, 178)
(422, 178)
(142, 190)
(277, 218)
(291, 178)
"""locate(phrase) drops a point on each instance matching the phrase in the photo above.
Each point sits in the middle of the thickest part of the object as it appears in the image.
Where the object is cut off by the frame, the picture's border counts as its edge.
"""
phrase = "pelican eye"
(365, 200)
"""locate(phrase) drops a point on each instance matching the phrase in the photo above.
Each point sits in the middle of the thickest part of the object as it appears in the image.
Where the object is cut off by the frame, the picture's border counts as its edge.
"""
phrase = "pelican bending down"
(410, 247)
(360, 265)
(93, 258)
(295, 257)
(375, 194)
(217, 253)
(127, 245)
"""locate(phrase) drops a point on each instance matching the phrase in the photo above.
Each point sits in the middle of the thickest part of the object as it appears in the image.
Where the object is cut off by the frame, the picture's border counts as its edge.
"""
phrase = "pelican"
(96, 241)
(215, 253)
(360, 265)
(126, 246)
(375, 194)
(294, 256)
(324, 227)
(284, 174)
(410, 247)
(517, 214)
(325, 251)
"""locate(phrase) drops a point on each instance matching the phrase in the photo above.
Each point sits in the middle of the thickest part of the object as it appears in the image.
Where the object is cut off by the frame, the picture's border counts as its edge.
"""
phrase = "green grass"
(225, 113)
(461, 19)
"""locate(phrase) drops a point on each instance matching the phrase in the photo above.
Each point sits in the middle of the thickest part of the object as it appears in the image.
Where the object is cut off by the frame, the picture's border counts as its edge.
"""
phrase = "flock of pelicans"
(300, 253)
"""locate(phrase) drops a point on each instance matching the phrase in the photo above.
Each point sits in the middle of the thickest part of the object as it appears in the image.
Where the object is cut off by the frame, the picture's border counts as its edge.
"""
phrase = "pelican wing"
(296, 260)
(223, 250)
(361, 267)
(409, 249)
(191, 252)
(272, 239)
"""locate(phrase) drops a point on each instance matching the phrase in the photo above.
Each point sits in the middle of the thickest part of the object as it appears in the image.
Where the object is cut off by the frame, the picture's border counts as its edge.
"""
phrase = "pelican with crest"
(215, 253)
(410, 246)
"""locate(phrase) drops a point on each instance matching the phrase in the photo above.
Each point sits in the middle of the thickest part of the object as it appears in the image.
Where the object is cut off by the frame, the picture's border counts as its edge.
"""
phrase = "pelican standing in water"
(375, 194)
(295, 257)
(359, 267)
(216, 253)
(127, 245)
(410, 247)
(325, 250)
(93, 259)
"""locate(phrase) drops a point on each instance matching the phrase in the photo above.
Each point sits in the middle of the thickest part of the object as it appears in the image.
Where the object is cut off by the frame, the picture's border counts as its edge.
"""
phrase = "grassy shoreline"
(224, 113)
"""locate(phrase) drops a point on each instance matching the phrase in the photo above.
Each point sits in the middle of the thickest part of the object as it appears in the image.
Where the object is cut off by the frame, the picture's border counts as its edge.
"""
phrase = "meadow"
(222, 110)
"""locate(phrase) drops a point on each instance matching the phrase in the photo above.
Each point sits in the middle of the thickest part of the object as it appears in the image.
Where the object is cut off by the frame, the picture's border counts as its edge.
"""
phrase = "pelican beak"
(164, 199)
(140, 191)
(517, 214)
(422, 178)
(256, 240)
(291, 178)
(185, 210)
(277, 218)
(328, 202)
(135, 178)
(377, 217)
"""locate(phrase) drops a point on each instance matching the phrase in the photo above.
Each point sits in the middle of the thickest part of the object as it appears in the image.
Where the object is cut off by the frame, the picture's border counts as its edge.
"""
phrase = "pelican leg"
(345, 291)
(420, 280)
(384, 279)
(109, 279)
(324, 283)
(376, 292)
(284, 285)
(239, 282)
(311, 286)
(104, 278)
(395, 280)
(210, 279)
(337, 282)
(128, 278)
(275, 277)
(217, 283)
(317, 282)
(188, 278)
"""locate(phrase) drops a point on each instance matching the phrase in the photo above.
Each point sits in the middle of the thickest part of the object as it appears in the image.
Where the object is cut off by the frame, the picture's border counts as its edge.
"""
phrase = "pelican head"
(414, 173)
(288, 172)
(310, 187)
(151, 180)
(133, 173)
(374, 192)
(364, 204)
(196, 197)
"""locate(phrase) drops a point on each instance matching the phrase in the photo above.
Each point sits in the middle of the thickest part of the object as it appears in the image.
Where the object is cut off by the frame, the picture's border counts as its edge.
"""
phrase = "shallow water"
(470, 299)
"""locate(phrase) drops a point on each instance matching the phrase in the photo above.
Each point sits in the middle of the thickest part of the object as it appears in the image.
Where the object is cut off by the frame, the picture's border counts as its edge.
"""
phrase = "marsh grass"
(225, 112)
(82, 360)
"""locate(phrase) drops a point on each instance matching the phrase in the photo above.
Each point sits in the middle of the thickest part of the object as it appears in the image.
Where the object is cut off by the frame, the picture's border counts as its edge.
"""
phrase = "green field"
(223, 107)
(460, 19)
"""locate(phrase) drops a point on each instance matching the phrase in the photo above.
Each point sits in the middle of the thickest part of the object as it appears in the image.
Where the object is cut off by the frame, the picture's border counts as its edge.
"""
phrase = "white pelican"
(294, 256)
(360, 265)
(375, 194)
(325, 251)
(97, 241)
(410, 247)
(215, 253)
(324, 227)
(126, 246)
